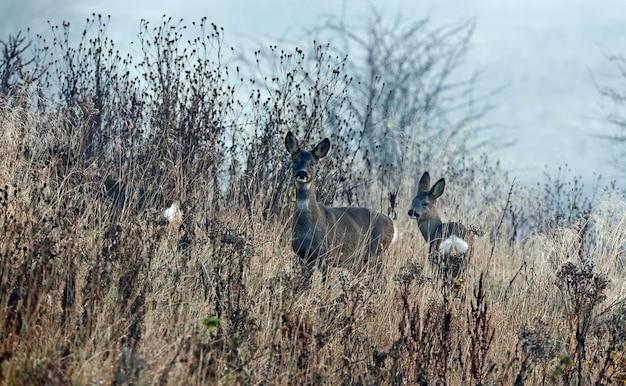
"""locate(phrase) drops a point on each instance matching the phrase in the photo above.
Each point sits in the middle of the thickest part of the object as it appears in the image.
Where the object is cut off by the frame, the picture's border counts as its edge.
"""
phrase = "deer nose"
(302, 175)
(412, 213)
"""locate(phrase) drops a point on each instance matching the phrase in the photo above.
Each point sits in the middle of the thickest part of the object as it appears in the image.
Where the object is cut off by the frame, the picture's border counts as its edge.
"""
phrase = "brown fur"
(449, 263)
(323, 236)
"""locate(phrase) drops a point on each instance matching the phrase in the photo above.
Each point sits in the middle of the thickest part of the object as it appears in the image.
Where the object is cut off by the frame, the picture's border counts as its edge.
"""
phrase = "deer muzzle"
(302, 176)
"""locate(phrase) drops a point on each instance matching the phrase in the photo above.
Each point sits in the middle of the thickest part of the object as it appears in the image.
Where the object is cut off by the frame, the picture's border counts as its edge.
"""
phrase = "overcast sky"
(545, 54)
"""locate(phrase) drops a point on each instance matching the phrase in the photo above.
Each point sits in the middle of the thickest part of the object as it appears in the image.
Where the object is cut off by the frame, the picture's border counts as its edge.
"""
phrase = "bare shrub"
(97, 285)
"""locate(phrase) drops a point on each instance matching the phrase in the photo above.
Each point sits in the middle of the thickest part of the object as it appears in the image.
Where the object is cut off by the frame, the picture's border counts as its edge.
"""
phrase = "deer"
(448, 243)
(347, 237)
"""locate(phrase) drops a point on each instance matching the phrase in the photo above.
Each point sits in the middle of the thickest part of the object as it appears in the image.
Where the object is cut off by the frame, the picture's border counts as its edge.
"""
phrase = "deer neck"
(430, 225)
(307, 208)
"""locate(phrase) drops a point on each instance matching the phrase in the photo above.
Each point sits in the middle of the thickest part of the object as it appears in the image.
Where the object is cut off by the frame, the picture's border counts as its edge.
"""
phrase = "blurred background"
(541, 67)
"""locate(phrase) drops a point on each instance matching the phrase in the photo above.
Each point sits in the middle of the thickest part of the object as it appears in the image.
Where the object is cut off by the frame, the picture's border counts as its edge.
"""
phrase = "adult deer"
(346, 237)
(447, 242)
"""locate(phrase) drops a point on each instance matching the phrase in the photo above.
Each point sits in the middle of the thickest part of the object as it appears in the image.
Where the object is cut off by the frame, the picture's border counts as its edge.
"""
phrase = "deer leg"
(307, 272)
(324, 271)
(323, 265)
(307, 265)
(372, 259)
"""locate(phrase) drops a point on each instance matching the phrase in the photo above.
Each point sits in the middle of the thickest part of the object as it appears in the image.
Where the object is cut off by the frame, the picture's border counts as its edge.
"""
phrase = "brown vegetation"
(96, 285)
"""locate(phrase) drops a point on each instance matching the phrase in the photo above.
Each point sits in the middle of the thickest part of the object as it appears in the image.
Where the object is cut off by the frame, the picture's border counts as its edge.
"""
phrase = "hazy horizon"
(547, 59)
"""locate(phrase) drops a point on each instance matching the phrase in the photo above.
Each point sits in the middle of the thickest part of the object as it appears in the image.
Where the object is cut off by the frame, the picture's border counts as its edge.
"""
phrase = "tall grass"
(96, 285)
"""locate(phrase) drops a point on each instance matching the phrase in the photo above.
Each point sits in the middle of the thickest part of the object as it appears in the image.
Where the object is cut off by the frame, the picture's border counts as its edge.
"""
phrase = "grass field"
(98, 287)
(214, 296)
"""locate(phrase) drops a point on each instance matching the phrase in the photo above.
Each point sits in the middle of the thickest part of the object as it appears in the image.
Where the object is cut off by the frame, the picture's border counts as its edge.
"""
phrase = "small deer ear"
(291, 143)
(437, 189)
(424, 183)
(322, 148)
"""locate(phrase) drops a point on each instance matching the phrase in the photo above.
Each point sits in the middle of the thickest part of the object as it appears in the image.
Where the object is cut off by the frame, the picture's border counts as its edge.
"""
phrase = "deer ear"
(424, 183)
(291, 143)
(437, 189)
(322, 148)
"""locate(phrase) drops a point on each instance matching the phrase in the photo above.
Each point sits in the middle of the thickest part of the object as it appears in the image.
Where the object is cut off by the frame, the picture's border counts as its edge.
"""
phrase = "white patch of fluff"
(172, 213)
(302, 205)
(453, 243)
(395, 234)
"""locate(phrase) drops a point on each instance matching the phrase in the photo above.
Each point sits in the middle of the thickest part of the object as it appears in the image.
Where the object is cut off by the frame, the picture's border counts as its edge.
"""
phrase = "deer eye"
(425, 204)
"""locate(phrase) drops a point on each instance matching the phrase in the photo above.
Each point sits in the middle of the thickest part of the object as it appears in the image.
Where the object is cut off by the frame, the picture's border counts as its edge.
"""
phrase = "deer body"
(444, 239)
(323, 236)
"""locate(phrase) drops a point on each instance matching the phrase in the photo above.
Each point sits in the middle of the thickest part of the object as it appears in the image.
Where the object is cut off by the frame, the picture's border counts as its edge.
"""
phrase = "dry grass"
(97, 287)
(215, 298)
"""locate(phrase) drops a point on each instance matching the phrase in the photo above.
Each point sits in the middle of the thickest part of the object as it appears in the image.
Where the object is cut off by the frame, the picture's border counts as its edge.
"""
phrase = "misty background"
(543, 61)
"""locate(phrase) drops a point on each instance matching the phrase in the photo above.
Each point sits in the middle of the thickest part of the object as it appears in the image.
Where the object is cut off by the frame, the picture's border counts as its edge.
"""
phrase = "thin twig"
(495, 238)
(513, 279)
